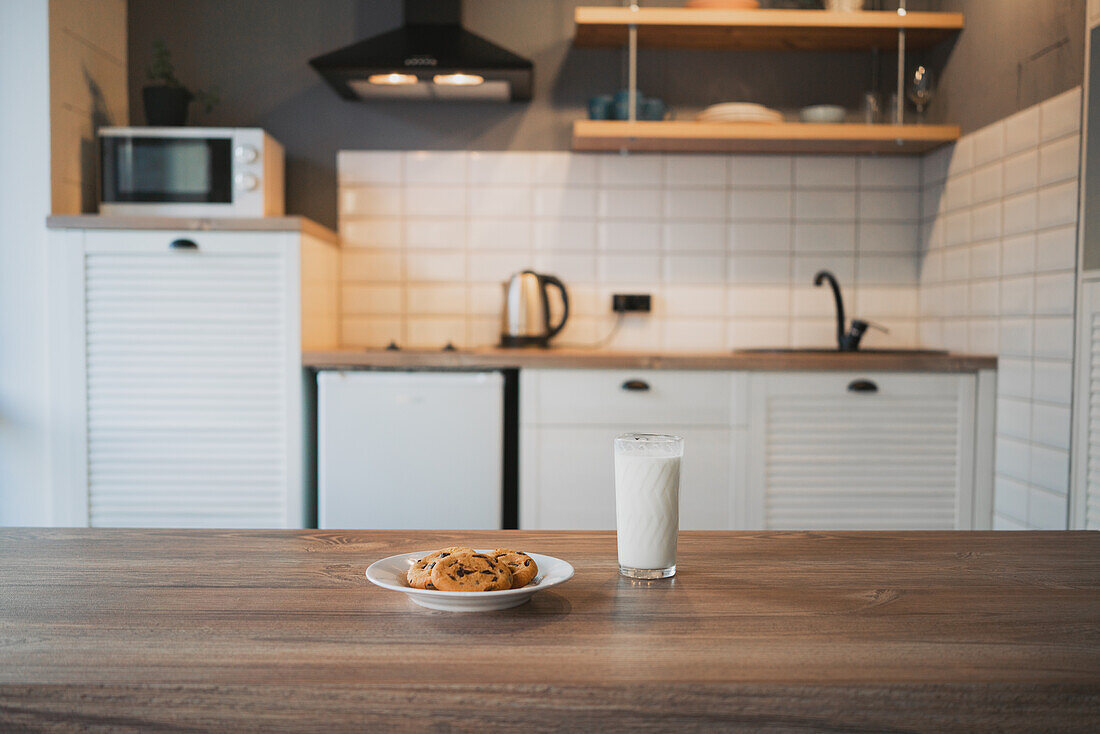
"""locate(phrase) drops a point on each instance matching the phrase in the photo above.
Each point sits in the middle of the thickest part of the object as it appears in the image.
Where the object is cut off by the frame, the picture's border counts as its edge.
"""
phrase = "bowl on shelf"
(823, 113)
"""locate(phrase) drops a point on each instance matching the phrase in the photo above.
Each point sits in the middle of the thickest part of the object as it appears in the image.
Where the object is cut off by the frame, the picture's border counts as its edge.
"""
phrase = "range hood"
(431, 57)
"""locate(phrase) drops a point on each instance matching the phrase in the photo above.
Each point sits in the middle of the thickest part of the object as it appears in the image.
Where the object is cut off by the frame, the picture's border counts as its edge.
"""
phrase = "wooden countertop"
(494, 358)
(279, 630)
(213, 224)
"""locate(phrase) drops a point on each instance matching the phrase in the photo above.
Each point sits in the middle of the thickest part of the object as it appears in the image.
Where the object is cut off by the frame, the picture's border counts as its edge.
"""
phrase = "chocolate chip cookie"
(419, 574)
(522, 566)
(470, 572)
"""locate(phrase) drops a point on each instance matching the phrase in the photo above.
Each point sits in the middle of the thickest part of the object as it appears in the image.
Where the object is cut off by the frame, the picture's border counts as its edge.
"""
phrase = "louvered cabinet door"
(187, 379)
(882, 451)
(1086, 501)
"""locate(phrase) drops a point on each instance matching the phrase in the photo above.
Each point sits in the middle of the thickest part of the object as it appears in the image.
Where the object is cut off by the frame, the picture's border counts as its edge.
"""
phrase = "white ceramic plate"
(389, 573)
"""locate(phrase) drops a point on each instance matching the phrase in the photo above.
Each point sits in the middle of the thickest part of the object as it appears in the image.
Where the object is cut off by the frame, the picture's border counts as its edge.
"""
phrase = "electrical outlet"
(630, 302)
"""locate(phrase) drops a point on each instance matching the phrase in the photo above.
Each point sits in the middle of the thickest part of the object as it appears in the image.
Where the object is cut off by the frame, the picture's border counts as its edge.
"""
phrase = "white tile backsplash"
(761, 171)
(1022, 130)
(826, 172)
(435, 168)
(503, 167)
(1060, 116)
(825, 205)
(1015, 259)
(695, 171)
(630, 203)
(700, 237)
(760, 204)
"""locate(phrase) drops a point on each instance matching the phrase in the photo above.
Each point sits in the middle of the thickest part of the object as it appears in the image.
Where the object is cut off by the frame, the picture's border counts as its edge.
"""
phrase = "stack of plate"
(739, 112)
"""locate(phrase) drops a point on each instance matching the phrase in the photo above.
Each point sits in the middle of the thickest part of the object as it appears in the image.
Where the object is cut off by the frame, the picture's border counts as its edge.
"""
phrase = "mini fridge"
(411, 450)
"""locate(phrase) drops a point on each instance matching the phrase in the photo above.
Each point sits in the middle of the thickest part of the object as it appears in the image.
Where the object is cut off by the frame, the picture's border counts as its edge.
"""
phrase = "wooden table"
(279, 630)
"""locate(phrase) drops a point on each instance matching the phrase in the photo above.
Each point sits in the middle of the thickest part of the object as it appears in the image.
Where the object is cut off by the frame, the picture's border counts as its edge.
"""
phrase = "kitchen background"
(969, 248)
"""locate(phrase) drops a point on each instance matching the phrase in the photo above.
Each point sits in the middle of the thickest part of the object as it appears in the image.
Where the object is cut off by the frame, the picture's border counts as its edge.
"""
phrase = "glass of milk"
(647, 503)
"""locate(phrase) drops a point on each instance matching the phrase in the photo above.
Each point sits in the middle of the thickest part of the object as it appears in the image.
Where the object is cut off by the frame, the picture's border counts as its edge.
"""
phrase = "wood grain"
(492, 358)
(685, 136)
(751, 30)
(279, 630)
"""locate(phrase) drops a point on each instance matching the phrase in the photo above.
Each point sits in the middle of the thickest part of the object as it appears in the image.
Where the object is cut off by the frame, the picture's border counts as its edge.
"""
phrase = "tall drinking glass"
(647, 503)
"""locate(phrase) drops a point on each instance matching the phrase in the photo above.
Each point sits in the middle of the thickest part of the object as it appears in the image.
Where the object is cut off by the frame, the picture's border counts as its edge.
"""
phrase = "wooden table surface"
(279, 630)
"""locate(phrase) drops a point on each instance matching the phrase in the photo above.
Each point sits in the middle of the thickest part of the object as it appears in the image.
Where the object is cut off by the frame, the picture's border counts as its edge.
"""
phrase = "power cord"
(602, 342)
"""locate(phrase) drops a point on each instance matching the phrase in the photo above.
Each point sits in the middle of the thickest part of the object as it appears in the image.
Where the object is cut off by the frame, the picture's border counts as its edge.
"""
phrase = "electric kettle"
(526, 321)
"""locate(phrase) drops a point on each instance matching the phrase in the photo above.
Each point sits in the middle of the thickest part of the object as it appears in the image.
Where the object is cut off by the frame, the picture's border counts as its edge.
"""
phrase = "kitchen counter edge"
(208, 224)
(578, 359)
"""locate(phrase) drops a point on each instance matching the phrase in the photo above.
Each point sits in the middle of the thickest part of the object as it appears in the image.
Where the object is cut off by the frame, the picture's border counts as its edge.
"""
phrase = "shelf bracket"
(899, 107)
(632, 68)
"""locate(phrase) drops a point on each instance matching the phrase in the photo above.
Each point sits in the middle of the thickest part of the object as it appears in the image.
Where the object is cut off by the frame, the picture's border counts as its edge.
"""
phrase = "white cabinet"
(180, 370)
(785, 450)
(1085, 504)
(836, 451)
(569, 419)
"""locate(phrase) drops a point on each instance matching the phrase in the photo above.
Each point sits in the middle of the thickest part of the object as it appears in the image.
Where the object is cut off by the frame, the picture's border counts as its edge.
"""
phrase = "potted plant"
(166, 100)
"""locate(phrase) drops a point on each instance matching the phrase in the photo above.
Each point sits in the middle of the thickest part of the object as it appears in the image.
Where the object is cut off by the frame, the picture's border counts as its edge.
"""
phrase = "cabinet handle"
(862, 386)
(636, 385)
(183, 244)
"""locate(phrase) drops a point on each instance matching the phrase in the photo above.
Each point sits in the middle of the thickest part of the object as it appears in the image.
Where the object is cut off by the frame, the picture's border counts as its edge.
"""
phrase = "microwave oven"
(190, 172)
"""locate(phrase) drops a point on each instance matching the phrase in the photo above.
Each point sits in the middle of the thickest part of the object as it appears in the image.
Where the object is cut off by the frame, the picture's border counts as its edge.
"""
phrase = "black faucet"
(846, 341)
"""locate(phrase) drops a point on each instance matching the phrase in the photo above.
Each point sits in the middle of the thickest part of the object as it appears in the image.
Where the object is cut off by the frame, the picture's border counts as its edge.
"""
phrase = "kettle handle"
(545, 280)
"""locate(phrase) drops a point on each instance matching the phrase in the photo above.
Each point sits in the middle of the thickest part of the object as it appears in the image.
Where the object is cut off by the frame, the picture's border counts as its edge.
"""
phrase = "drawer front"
(569, 480)
(168, 242)
(668, 397)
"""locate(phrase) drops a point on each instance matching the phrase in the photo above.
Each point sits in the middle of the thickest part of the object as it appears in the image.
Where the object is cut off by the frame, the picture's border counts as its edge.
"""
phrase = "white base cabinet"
(789, 450)
(569, 419)
(839, 451)
(177, 374)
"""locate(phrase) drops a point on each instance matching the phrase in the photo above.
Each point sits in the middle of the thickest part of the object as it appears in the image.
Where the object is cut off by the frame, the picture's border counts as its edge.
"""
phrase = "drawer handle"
(862, 386)
(183, 244)
(636, 385)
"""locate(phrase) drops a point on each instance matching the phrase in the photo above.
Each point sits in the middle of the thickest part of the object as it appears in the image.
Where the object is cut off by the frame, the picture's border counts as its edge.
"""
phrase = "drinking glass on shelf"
(647, 503)
(921, 90)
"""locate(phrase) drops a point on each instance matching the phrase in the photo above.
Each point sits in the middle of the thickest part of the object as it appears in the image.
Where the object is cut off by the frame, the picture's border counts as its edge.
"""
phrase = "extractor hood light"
(392, 79)
(463, 80)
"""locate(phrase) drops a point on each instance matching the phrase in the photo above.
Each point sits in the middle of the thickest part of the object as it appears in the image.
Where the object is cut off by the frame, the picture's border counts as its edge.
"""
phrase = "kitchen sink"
(798, 350)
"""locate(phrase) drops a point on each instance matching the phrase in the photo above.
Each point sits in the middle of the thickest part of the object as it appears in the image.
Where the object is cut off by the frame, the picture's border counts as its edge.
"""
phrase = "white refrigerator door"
(410, 450)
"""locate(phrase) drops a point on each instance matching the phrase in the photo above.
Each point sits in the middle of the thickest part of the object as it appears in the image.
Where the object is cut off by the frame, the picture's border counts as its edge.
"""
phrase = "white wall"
(24, 204)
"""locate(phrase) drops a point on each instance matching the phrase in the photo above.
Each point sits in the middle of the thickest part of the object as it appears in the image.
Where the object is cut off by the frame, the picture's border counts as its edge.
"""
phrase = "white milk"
(647, 509)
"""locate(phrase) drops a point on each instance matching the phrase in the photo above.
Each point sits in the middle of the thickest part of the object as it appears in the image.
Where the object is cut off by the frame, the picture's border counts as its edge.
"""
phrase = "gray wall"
(1012, 55)
(256, 51)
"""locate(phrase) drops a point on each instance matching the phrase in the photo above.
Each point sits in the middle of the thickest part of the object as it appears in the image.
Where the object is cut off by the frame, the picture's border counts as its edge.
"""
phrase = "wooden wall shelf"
(786, 137)
(792, 30)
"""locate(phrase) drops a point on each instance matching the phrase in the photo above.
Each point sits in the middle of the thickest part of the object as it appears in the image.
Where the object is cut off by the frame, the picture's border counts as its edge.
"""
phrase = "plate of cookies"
(460, 579)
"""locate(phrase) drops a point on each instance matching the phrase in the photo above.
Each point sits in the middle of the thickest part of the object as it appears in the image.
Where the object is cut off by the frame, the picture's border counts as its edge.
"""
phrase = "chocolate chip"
(490, 573)
(431, 565)
(527, 562)
(430, 586)
(444, 555)
(452, 577)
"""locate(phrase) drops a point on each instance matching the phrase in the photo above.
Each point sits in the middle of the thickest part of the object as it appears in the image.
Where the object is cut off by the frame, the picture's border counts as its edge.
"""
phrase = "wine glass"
(921, 89)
